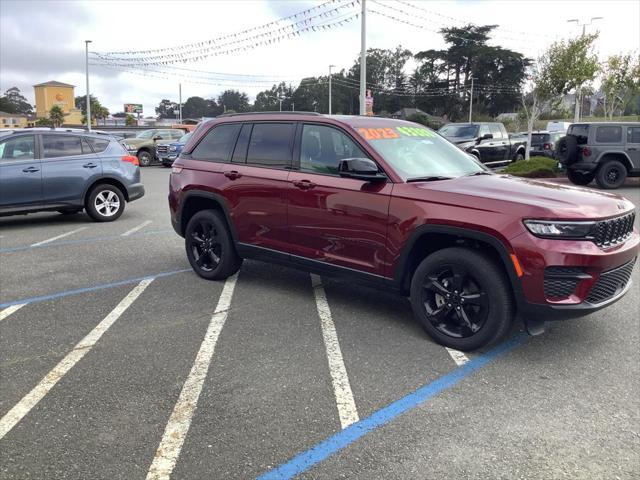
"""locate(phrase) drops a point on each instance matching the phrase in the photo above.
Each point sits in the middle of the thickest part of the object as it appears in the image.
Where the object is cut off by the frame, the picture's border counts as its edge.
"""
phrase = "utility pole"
(471, 101)
(180, 101)
(576, 112)
(330, 66)
(86, 61)
(363, 59)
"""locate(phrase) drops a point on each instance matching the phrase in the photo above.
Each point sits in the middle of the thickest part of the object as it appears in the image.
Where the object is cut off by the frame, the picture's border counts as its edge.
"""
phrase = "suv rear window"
(98, 144)
(539, 138)
(270, 144)
(581, 132)
(609, 134)
(217, 144)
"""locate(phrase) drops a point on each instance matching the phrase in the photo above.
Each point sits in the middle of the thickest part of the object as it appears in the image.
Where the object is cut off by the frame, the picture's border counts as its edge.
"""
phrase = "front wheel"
(144, 158)
(210, 247)
(579, 178)
(519, 157)
(611, 174)
(462, 299)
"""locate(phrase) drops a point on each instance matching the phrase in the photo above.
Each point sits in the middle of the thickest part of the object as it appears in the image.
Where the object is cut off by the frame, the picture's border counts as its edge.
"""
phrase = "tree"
(620, 82)
(13, 102)
(44, 122)
(197, 107)
(97, 110)
(119, 115)
(167, 109)
(130, 120)
(234, 100)
(56, 116)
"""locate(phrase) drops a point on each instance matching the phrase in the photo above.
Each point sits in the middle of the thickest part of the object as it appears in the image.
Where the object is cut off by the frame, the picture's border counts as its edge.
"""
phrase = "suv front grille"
(162, 148)
(609, 233)
(611, 283)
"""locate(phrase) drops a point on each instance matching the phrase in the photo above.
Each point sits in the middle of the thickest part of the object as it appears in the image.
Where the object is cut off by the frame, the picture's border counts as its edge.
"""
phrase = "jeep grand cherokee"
(392, 204)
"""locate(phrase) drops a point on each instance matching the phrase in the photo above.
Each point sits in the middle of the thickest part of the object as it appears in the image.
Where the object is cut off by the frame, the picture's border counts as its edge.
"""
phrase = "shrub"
(535, 167)
(424, 120)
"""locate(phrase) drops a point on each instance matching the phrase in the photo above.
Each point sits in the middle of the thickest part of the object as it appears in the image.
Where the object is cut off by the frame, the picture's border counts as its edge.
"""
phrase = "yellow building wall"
(48, 96)
(12, 122)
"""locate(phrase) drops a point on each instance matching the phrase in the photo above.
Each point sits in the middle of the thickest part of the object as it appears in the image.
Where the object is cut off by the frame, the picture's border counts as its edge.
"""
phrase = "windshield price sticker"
(397, 132)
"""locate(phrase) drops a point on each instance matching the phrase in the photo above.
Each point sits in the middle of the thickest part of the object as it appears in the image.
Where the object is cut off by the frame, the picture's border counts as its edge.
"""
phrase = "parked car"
(143, 145)
(558, 126)
(66, 172)
(169, 151)
(488, 142)
(393, 204)
(608, 152)
(543, 144)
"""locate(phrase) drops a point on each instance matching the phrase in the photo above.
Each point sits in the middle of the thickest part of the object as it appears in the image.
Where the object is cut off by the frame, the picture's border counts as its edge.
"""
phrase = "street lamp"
(86, 59)
(330, 67)
(277, 98)
(585, 24)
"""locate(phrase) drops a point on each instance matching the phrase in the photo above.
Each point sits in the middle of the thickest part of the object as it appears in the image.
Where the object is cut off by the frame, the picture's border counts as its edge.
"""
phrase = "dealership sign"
(132, 108)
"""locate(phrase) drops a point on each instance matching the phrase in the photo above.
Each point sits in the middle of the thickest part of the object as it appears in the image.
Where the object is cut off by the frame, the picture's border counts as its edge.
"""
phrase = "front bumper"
(135, 191)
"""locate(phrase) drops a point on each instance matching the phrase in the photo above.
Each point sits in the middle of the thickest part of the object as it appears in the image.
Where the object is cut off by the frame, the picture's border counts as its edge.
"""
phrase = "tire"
(71, 211)
(567, 150)
(206, 239)
(519, 157)
(579, 178)
(145, 158)
(105, 203)
(468, 276)
(611, 175)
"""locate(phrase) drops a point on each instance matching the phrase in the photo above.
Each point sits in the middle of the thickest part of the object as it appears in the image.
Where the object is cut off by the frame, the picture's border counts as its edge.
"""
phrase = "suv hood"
(532, 198)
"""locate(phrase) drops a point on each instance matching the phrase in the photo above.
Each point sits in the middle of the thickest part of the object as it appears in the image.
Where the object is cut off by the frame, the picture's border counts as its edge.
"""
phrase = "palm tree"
(56, 115)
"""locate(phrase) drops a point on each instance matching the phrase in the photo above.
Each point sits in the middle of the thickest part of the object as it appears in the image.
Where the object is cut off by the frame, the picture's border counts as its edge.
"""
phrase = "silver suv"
(608, 152)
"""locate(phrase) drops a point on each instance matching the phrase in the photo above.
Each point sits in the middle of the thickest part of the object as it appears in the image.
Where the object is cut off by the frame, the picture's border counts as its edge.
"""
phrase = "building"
(13, 120)
(61, 94)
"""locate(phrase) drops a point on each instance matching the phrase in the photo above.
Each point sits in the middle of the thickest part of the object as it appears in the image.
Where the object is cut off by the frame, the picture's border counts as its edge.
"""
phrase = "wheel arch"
(194, 201)
(616, 155)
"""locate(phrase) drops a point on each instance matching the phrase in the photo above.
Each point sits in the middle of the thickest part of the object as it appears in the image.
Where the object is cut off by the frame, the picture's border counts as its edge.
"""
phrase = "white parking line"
(49, 240)
(31, 399)
(458, 357)
(341, 387)
(180, 420)
(9, 310)
(135, 229)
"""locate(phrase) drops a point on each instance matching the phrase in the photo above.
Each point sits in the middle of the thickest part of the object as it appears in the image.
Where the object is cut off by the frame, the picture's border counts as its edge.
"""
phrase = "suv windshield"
(146, 134)
(415, 152)
(184, 138)
(459, 131)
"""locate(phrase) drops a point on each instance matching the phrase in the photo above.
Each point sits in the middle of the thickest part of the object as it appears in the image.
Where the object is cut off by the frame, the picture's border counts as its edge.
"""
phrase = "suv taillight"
(586, 151)
(130, 159)
(546, 146)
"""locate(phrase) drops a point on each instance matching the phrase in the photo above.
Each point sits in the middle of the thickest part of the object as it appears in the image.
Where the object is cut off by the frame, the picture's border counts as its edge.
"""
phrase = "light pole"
(180, 101)
(86, 61)
(576, 112)
(471, 100)
(363, 59)
(330, 67)
(277, 98)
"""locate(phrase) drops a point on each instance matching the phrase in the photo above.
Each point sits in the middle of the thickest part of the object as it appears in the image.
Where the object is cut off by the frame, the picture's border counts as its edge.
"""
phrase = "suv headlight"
(560, 229)
(173, 148)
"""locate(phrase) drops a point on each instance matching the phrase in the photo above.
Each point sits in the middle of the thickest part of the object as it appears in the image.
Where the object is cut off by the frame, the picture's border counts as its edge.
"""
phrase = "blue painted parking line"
(85, 240)
(320, 452)
(66, 293)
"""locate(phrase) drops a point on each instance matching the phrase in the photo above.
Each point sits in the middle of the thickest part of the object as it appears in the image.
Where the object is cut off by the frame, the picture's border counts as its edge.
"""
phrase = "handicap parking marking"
(9, 310)
(30, 400)
(341, 440)
(135, 229)
(459, 357)
(347, 410)
(53, 239)
(179, 422)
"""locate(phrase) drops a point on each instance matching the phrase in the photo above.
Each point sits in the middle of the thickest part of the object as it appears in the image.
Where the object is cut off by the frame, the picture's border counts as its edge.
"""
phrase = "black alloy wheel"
(611, 175)
(580, 178)
(205, 245)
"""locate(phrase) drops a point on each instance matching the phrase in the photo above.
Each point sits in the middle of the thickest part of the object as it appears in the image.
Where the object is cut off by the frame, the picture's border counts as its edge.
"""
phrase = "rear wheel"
(462, 299)
(144, 158)
(209, 246)
(105, 203)
(579, 178)
(611, 174)
(519, 157)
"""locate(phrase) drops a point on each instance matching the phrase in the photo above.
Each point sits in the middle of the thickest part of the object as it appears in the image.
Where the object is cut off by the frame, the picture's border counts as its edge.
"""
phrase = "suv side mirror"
(156, 138)
(360, 169)
(486, 136)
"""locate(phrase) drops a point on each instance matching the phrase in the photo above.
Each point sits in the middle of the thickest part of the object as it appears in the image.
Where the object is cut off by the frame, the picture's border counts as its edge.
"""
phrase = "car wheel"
(611, 174)
(462, 299)
(105, 203)
(519, 157)
(144, 158)
(71, 211)
(579, 178)
(209, 246)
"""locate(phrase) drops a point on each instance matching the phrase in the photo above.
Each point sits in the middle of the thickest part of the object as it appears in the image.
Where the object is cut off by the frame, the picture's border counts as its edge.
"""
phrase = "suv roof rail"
(269, 113)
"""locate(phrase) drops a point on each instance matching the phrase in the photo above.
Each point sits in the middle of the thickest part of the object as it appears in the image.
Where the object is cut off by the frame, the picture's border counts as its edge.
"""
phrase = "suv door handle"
(31, 170)
(89, 165)
(233, 174)
(304, 184)
(632, 148)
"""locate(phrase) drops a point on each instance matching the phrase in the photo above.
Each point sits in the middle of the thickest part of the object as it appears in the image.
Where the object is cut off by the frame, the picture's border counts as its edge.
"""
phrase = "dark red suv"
(393, 204)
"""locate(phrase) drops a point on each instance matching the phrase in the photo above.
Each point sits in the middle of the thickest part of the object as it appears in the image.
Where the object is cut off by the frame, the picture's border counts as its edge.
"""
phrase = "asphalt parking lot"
(118, 362)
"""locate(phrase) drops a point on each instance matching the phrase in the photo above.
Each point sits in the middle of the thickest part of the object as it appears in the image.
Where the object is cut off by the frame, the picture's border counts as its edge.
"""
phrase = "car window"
(176, 134)
(98, 144)
(484, 129)
(581, 132)
(633, 135)
(495, 130)
(323, 147)
(184, 138)
(459, 131)
(609, 134)
(62, 146)
(217, 144)
(240, 152)
(270, 144)
(165, 134)
(19, 148)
